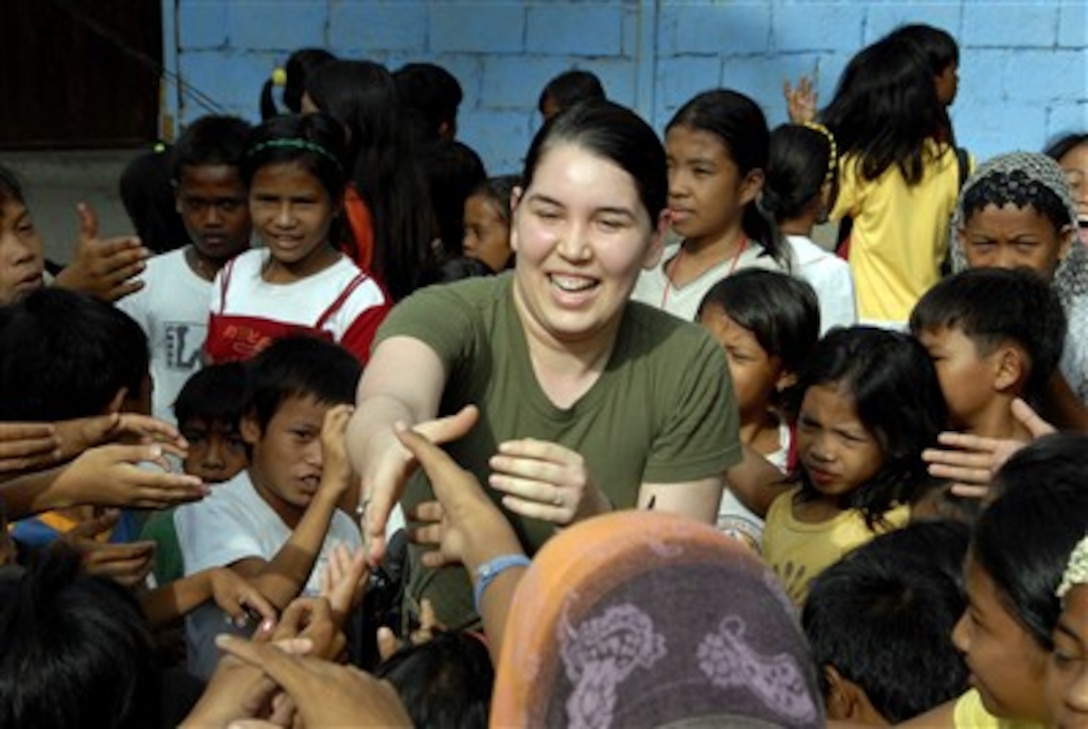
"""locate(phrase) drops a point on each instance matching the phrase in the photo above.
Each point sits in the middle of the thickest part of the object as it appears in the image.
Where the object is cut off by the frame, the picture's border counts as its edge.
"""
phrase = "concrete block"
(369, 26)
(283, 25)
(576, 29)
(986, 129)
(714, 28)
(1073, 25)
(618, 77)
(1033, 77)
(469, 71)
(883, 18)
(680, 78)
(202, 24)
(981, 77)
(1066, 118)
(501, 138)
(516, 83)
(817, 26)
(227, 83)
(477, 27)
(1009, 24)
(754, 77)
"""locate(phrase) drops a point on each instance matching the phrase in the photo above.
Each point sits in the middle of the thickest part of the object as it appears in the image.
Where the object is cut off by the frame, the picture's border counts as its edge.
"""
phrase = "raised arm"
(282, 578)
(402, 383)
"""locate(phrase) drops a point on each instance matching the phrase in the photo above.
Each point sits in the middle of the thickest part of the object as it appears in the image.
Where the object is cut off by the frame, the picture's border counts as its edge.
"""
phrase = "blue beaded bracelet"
(488, 571)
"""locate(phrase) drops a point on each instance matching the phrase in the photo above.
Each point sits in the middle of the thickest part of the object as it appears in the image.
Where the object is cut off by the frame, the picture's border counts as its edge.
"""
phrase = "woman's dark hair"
(1024, 538)
(77, 651)
(431, 95)
(453, 170)
(571, 87)
(612, 132)
(299, 65)
(781, 311)
(385, 169)
(314, 142)
(1064, 144)
(11, 189)
(800, 162)
(937, 45)
(741, 127)
(445, 682)
(897, 398)
(885, 108)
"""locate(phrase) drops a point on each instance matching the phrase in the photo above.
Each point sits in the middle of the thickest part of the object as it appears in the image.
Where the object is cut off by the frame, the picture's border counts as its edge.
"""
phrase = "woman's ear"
(751, 186)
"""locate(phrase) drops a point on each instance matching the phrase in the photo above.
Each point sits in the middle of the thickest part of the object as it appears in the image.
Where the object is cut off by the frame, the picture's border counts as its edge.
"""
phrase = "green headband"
(295, 143)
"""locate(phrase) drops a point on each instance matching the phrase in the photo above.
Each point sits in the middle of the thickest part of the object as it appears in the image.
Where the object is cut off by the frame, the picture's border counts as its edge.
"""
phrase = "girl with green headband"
(298, 282)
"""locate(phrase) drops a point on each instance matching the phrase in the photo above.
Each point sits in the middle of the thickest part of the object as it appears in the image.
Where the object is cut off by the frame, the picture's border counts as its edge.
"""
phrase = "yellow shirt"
(971, 714)
(798, 551)
(900, 233)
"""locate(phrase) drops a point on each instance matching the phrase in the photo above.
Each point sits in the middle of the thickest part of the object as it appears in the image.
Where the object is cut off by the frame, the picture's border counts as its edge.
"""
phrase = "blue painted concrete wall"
(1023, 72)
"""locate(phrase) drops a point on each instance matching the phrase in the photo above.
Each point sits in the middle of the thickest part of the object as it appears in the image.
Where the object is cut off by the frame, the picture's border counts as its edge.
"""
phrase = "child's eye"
(612, 224)
(25, 228)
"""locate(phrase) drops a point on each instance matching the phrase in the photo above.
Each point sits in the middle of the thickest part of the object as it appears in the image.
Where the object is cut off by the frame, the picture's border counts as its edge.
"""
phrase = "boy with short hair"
(994, 335)
(880, 621)
(276, 522)
(212, 200)
(209, 413)
(65, 355)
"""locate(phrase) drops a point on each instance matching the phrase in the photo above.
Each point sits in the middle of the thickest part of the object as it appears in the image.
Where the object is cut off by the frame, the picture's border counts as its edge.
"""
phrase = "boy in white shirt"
(276, 522)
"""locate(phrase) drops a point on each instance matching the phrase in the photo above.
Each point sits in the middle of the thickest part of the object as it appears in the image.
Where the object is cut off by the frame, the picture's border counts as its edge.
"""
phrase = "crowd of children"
(208, 456)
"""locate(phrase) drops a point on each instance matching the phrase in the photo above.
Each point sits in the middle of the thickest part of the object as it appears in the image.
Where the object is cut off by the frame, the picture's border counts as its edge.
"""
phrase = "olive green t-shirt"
(663, 411)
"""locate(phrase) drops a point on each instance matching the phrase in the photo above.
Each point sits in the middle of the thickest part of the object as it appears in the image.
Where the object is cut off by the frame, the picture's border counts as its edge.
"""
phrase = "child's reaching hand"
(344, 581)
(106, 268)
(335, 467)
(27, 446)
(109, 476)
(238, 598)
(82, 433)
(127, 564)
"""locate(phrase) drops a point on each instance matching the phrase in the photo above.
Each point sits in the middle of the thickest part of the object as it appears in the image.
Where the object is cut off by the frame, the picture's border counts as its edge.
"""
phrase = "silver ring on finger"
(557, 500)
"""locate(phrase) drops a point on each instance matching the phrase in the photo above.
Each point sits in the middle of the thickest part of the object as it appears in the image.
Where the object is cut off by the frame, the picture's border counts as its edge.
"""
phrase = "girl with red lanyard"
(297, 282)
(717, 146)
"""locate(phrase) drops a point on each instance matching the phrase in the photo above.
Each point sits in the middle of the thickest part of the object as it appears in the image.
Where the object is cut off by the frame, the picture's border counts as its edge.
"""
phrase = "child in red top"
(298, 282)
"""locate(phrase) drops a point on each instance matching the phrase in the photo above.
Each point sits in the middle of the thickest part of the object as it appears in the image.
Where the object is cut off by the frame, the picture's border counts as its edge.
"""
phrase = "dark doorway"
(79, 73)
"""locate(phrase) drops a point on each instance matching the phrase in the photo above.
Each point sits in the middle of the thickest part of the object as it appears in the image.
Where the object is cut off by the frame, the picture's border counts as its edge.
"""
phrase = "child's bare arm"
(231, 592)
(282, 578)
(756, 482)
(103, 476)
